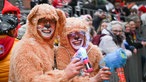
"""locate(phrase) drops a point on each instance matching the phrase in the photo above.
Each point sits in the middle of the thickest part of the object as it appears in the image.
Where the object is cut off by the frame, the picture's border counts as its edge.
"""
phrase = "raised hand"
(103, 74)
(74, 68)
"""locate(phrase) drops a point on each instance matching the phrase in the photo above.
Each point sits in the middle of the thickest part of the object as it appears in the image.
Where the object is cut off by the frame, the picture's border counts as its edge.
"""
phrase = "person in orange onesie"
(75, 35)
(8, 32)
(32, 59)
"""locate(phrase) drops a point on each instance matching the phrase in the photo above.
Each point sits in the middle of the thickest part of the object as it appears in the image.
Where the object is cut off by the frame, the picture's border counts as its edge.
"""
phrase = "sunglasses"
(74, 34)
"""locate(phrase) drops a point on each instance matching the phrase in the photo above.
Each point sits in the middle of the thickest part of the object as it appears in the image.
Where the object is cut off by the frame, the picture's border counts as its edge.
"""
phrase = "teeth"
(46, 31)
(77, 42)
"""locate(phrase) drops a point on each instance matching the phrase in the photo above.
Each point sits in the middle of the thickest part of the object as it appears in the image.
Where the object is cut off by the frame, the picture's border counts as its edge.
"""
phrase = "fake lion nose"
(77, 37)
(47, 25)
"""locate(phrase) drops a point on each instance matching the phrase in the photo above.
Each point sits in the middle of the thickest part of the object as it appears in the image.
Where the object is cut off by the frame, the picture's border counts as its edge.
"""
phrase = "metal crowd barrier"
(83, 11)
(133, 70)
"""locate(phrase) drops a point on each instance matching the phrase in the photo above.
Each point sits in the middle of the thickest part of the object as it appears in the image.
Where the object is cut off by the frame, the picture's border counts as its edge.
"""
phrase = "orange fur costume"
(32, 59)
(64, 52)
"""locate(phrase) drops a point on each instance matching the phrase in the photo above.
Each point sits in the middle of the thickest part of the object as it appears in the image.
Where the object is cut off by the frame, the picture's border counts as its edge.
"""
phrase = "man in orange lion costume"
(32, 59)
(75, 35)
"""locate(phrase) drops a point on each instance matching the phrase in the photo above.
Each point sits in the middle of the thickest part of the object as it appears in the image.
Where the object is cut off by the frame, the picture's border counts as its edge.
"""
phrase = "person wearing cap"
(8, 31)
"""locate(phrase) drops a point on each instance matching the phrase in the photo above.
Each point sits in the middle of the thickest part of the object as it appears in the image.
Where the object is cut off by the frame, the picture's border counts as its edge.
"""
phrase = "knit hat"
(8, 7)
(142, 8)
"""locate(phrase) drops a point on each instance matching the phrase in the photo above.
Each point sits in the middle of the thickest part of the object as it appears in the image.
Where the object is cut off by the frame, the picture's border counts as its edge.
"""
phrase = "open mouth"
(77, 42)
(47, 31)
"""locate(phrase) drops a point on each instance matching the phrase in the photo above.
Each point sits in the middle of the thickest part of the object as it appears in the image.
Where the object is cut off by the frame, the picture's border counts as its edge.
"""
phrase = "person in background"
(32, 58)
(131, 38)
(9, 23)
(99, 16)
(103, 25)
(96, 39)
(75, 35)
(114, 38)
(127, 33)
(138, 25)
(11, 9)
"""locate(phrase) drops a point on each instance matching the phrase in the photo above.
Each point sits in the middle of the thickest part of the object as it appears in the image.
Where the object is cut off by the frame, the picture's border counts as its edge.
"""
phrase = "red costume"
(6, 43)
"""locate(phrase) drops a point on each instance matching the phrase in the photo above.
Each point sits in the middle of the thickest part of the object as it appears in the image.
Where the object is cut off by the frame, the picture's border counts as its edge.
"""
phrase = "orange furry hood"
(45, 11)
(32, 59)
(72, 25)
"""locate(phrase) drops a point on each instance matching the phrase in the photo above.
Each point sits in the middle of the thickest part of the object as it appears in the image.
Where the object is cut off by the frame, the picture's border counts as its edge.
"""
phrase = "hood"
(142, 8)
(48, 12)
(72, 25)
(8, 7)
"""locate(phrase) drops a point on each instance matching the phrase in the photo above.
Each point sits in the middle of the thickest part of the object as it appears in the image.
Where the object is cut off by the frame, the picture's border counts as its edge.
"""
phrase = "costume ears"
(61, 20)
(32, 13)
